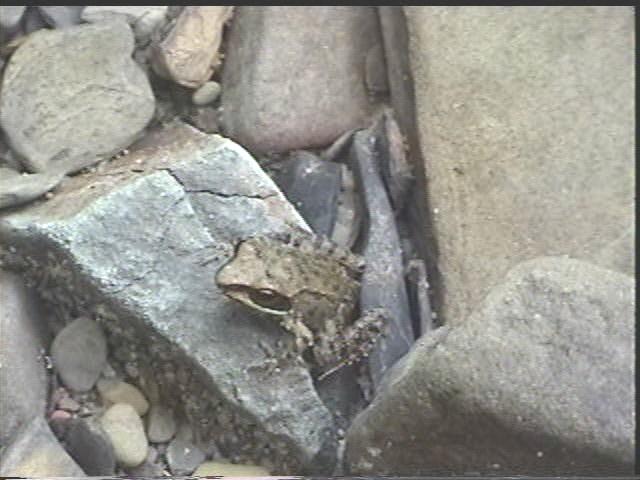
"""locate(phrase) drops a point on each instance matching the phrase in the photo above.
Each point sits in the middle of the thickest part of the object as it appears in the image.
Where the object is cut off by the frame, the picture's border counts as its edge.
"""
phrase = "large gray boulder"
(136, 246)
(526, 123)
(24, 338)
(73, 96)
(294, 77)
(539, 380)
(36, 453)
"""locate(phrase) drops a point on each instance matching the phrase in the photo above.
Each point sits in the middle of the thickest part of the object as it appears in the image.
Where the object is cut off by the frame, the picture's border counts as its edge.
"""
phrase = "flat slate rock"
(141, 242)
(23, 381)
(313, 186)
(383, 282)
(74, 96)
(538, 381)
(306, 95)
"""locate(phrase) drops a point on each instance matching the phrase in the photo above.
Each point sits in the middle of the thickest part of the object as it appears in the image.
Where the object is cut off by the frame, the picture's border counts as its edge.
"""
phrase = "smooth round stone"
(182, 455)
(161, 426)
(79, 353)
(116, 391)
(124, 428)
(206, 94)
(222, 468)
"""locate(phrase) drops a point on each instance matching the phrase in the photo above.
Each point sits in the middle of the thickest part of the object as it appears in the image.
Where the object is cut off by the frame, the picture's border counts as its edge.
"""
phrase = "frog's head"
(249, 278)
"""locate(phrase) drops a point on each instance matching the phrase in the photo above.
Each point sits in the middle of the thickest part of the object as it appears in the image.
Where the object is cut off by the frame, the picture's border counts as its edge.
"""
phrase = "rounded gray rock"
(161, 426)
(79, 353)
(206, 94)
(73, 97)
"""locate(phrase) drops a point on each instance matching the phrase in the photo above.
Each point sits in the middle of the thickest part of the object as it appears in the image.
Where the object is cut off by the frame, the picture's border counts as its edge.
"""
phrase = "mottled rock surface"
(36, 452)
(23, 381)
(79, 353)
(74, 96)
(526, 120)
(141, 242)
(302, 96)
(539, 380)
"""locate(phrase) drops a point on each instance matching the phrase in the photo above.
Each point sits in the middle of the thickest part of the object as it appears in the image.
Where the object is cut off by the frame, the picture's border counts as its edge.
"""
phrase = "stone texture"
(74, 96)
(227, 469)
(124, 429)
(117, 391)
(206, 94)
(526, 127)
(141, 242)
(95, 13)
(277, 99)
(35, 452)
(10, 16)
(539, 380)
(79, 353)
(61, 16)
(183, 456)
(17, 188)
(161, 424)
(90, 447)
(189, 54)
(23, 382)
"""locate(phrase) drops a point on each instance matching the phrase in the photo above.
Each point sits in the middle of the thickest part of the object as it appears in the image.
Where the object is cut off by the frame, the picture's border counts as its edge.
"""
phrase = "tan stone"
(526, 125)
(189, 53)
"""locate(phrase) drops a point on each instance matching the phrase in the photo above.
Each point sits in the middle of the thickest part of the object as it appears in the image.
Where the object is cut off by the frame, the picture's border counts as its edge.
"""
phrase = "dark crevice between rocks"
(417, 216)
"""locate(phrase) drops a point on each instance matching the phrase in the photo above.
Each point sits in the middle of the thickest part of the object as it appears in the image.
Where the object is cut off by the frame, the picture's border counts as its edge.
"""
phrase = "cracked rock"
(137, 246)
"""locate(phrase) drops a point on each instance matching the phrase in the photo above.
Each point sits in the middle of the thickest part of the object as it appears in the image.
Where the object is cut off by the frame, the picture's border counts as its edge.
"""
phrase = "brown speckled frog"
(313, 288)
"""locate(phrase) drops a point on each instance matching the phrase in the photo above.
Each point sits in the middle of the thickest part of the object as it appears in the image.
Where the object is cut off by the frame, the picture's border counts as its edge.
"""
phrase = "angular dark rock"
(313, 186)
(90, 447)
(383, 283)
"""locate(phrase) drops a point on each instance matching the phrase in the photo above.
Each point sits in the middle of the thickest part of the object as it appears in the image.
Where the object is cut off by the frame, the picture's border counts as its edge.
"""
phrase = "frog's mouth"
(265, 300)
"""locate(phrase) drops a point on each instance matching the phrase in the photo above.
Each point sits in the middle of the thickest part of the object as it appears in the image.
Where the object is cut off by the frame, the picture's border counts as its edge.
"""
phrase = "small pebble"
(68, 404)
(161, 425)
(206, 94)
(116, 391)
(60, 415)
(124, 428)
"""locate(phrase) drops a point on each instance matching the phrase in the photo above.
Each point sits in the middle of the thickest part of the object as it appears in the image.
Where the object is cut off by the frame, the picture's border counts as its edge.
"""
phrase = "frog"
(312, 287)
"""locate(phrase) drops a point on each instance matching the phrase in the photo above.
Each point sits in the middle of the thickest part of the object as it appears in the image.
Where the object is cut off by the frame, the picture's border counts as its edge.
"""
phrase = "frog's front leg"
(353, 343)
(294, 323)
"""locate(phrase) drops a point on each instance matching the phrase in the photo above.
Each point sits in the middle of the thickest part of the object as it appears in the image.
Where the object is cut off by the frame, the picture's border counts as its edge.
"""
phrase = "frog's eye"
(270, 299)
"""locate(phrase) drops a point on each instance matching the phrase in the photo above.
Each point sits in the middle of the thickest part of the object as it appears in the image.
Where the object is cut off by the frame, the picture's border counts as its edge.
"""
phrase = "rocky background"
(479, 158)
